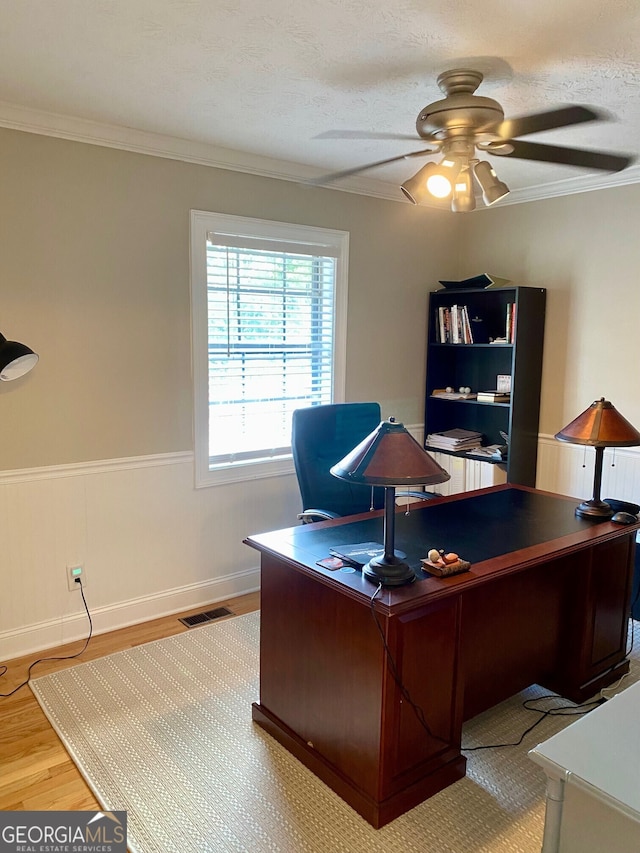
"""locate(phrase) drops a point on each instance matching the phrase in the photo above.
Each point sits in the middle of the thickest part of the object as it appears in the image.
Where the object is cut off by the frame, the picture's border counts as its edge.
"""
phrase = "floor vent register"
(208, 616)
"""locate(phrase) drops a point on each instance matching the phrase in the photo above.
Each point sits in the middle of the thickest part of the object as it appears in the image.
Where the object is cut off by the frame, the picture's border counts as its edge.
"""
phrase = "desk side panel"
(320, 661)
(423, 718)
(611, 579)
(593, 651)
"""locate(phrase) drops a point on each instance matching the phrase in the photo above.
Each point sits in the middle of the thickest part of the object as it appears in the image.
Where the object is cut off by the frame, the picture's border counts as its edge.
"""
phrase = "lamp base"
(388, 572)
(594, 509)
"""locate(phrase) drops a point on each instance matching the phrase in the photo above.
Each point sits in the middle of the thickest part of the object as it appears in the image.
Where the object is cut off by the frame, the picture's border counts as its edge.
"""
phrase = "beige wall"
(94, 276)
(585, 249)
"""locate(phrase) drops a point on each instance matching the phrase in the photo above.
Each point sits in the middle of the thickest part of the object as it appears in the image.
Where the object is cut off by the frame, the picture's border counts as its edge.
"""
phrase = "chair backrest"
(322, 436)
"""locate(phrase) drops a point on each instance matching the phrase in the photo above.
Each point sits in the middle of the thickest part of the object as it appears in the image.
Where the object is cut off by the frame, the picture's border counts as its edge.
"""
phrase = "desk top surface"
(494, 529)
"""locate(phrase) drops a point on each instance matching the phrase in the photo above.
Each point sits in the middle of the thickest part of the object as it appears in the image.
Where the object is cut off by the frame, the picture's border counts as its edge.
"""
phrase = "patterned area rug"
(164, 731)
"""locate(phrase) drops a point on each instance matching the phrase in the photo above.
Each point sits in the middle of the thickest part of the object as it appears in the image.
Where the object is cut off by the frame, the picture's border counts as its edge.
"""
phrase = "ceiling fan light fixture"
(463, 200)
(439, 185)
(415, 189)
(463, 122)
(493, 189)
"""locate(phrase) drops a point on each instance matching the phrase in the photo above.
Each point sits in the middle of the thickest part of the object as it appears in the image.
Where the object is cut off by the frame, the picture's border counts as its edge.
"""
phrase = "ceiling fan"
(462, 124)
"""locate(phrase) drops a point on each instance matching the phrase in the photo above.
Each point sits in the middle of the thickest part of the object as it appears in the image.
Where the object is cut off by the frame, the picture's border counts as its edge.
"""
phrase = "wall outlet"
(75, 573)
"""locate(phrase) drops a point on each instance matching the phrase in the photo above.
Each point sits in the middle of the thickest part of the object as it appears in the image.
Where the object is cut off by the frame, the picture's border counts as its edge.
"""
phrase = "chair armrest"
(308, 516)
(423, 496)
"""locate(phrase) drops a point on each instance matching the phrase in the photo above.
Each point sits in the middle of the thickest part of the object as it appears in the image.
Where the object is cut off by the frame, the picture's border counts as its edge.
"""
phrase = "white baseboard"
(32, 639)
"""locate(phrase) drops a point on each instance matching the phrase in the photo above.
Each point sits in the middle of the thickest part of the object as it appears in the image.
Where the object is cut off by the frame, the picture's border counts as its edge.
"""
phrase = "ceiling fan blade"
(569, 156)
(536, 122)
(334, 176)
(364, 134)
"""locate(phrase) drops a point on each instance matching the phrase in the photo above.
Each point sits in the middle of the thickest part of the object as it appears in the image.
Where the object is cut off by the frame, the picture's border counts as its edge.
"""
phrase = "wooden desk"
(545, 602)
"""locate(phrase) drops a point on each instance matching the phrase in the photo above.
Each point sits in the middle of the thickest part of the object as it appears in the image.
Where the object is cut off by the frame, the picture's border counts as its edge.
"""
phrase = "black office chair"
(322, 436)
(633, 509)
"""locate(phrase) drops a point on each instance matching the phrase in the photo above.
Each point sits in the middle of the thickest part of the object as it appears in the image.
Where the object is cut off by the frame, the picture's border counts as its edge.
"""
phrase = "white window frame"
(203, 222)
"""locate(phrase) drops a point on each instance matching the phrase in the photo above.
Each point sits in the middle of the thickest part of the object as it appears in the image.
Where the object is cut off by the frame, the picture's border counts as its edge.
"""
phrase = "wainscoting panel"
(568, 469)
(467, 474)
(150, 543)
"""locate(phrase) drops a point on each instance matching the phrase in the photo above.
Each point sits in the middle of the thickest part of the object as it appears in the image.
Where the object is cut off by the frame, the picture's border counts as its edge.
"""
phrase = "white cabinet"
(593, 780)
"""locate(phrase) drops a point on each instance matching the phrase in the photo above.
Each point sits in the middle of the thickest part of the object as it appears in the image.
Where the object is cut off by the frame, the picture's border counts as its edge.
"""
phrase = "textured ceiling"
(264, 80)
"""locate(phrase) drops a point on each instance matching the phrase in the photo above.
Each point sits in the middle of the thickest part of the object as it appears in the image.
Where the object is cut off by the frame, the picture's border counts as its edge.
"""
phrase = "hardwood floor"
(35, 770)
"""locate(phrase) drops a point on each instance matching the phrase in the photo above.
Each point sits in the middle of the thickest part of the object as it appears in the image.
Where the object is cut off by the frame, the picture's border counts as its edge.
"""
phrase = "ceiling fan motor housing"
(460, 113)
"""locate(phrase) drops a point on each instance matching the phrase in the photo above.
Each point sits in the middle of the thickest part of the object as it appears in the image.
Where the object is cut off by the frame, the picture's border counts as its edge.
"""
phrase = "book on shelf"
(441, 325)
(493, 397)
(459, 447)
(454, 439)
(457, 434)
(453, 325)
(510, 325)
(466, 323)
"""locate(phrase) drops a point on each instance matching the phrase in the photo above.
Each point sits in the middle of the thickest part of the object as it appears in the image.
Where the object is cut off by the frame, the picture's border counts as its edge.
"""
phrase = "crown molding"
(572, 186)
(90, 132)
(16, 117)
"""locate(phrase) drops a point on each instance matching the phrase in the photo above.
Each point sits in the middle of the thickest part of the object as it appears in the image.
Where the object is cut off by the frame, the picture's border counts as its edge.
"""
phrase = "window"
(269, 323)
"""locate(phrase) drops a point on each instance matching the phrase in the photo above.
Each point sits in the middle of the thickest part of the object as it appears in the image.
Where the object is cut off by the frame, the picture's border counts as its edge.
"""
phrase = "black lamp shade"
(15, 359)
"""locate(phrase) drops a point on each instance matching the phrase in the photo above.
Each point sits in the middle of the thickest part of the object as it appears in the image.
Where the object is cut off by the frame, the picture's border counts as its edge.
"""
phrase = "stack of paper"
(455, 439)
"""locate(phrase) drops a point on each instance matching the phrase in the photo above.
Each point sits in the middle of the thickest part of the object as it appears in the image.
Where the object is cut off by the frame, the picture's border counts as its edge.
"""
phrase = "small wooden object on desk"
(442, 565)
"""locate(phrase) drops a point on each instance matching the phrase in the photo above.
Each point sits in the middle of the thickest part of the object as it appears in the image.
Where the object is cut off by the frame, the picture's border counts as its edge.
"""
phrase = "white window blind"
(271, 332)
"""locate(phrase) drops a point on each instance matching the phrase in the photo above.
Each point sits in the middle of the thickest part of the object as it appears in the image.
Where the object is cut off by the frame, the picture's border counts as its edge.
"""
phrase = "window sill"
(242, 472)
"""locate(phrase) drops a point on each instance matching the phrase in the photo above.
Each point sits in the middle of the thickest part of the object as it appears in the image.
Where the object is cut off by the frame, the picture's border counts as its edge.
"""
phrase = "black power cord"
(558, 711)
(3, 669)
(417, 710)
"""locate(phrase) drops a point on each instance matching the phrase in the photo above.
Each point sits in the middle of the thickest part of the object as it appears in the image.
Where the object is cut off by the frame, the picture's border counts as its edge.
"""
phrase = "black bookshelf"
(477, 365)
